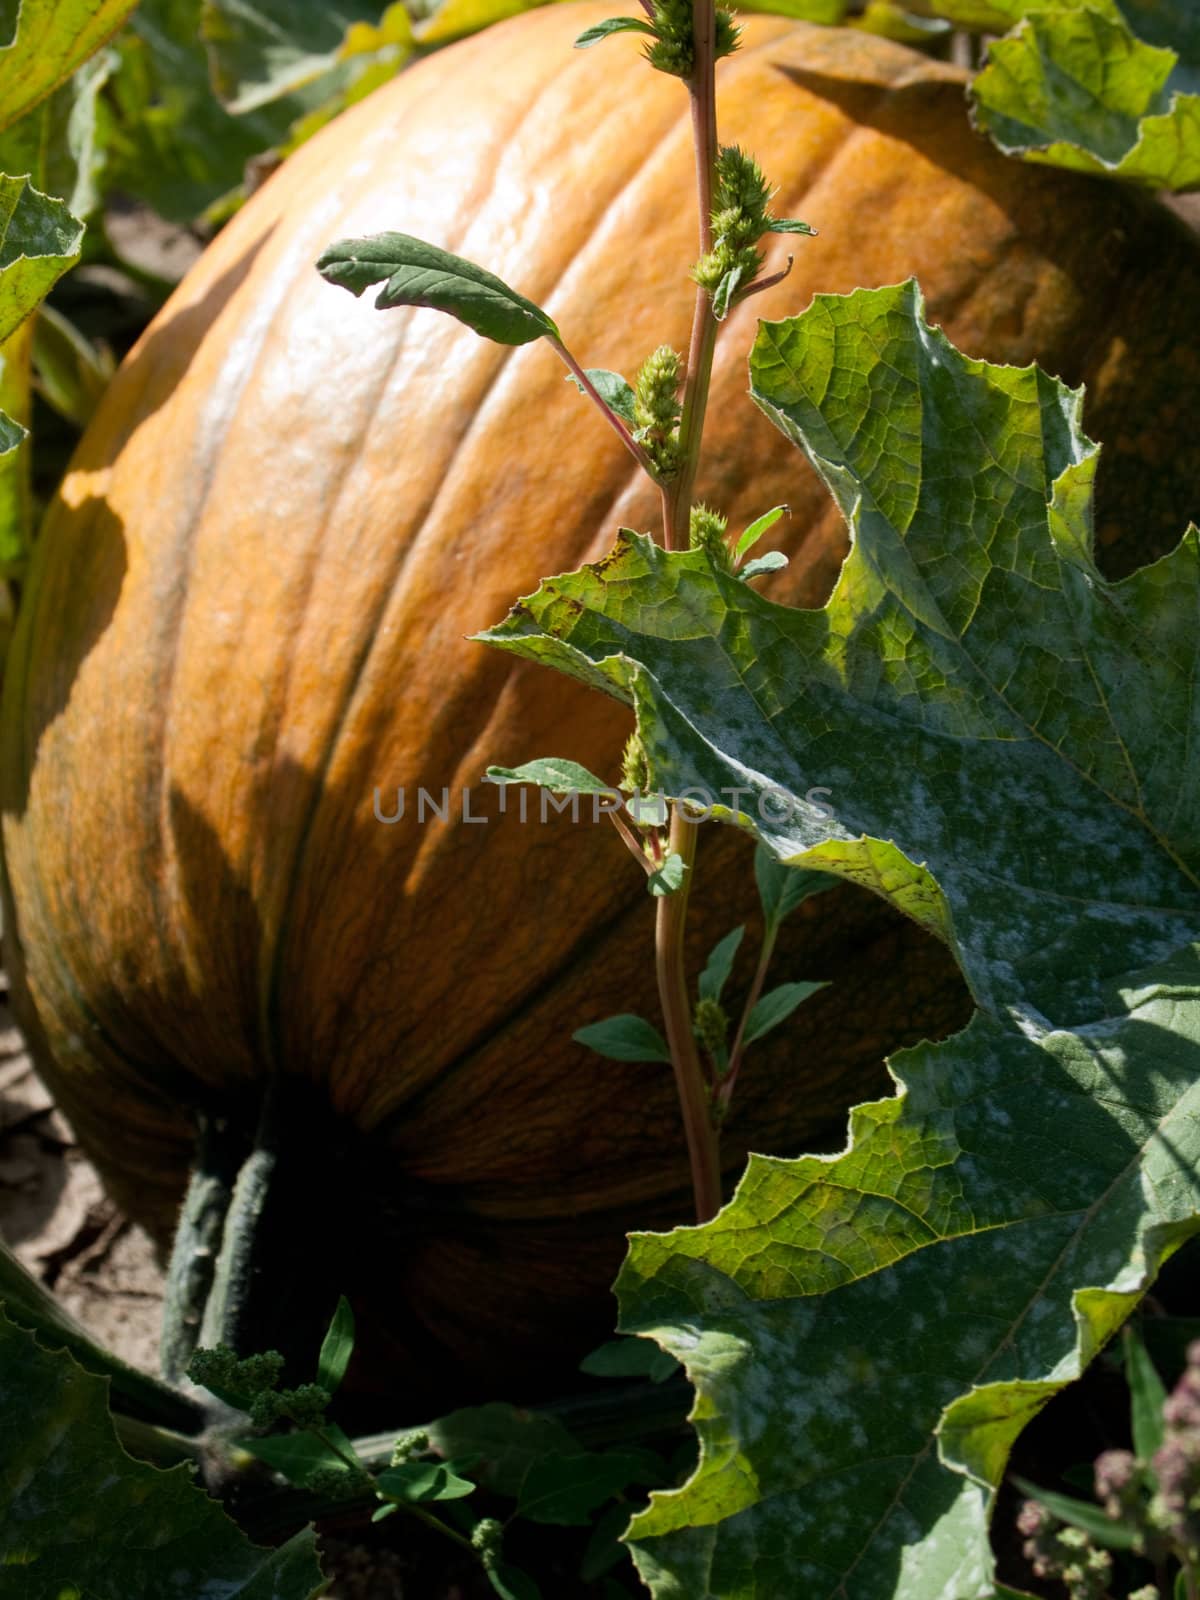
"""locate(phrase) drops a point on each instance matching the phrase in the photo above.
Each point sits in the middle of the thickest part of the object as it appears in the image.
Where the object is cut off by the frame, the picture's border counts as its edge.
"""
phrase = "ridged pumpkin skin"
(249, 606)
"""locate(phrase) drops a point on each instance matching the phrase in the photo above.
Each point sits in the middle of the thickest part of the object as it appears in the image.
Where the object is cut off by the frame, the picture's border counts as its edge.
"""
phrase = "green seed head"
(711, 1025)
(706, 531)
(674, 50)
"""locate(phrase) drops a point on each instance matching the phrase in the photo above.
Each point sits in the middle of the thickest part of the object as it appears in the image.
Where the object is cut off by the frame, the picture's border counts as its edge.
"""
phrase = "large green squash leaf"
(1075, 86)
(1008, 747)
(39, 240)
(81, 1520)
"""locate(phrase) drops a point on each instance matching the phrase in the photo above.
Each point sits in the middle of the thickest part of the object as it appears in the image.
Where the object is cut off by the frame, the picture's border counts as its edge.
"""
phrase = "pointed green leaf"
(777, 1006)
(1073, 86)
(553, 773)
(611, 25)
(758, 527)
(506, 1441)
(414, 273)
(726, 290)
(612, 388)
(719, 965)
(1146, 1397)
(667, 879)
(771, 562)
(301, 1457)
(565, 1490)
(648, 810)
(1007, 749)
(11, 434)
(511, 1583)
(789, 225)
(336, 1348)
(79, 1516)
(624, 1038)
(630, 1358)
(419, 1481)
(43, 41)
(1083, 1514)
(782, 888)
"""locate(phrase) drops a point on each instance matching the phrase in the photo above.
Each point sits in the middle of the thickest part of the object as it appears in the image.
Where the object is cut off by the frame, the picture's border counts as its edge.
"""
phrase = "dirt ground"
(57, 1218)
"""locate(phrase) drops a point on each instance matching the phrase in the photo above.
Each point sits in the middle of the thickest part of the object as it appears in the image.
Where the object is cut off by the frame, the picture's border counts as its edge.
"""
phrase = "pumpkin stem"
(227, 1307)
(220, 1150)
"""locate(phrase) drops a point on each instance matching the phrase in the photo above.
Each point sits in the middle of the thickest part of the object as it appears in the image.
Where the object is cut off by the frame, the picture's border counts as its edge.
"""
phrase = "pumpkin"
(247, 614)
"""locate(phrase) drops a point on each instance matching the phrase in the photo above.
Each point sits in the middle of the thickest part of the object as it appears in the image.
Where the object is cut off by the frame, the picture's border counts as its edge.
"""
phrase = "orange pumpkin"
(248, 610)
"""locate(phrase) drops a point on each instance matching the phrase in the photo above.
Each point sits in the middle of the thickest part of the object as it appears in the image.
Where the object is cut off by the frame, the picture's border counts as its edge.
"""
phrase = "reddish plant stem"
(615, 422)
(699, 1123)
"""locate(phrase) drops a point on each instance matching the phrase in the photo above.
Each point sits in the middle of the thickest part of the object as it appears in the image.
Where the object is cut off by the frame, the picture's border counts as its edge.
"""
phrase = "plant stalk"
(699, 1122)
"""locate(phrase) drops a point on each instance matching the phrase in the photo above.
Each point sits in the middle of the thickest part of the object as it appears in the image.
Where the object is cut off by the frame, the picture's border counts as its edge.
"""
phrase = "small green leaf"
(726, 290)
(630, 1358)
(418, 1481)
(776, 1007)
(648, 810)
(505, 1441)
(668, 879)
(790, 225)
(553, 773)
(415, 273)
(781, 888)
(624, 1038)
(70, 372)
(1083, 1514)
(381, 1513)
(566, 1490)
(1181, 1585)
(336, 1348)
(771, 562)
(11, 434)
(719, 965)
(612, 389)
(298, 1457)
(758, 527)
(611, 25)
(1146, 1396)
(510, 1583)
